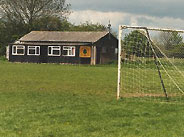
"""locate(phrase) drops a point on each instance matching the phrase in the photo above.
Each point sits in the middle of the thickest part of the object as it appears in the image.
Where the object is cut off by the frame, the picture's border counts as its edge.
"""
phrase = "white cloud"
(158, 8)
(78, 17)
(122, 18)
(133, 21)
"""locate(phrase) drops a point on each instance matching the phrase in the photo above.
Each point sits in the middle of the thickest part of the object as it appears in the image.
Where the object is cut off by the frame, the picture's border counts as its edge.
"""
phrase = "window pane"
(31, 47)
(56, 48)
(65, 52)
(20, 51)
(20, 47)
(32, 51)
(70, 52)
(14, 50)
(65, 48)
(55, 52)
(49, 50)
(37, 50)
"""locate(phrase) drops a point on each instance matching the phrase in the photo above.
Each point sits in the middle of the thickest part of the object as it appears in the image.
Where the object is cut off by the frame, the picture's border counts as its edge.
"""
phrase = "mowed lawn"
(52, 100)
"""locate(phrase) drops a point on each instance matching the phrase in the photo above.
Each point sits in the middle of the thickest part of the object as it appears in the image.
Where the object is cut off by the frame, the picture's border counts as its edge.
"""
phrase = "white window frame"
(116, 50)
(18, 47)
(33, 48)
(68, 49)
(52, 50)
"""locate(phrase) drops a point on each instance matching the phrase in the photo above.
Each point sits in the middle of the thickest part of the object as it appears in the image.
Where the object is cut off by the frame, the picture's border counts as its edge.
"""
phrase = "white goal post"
(121, 29)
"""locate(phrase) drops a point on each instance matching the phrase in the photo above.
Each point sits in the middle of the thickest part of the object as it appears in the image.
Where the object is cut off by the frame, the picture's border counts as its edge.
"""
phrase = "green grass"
(50, 100)
(144, 78)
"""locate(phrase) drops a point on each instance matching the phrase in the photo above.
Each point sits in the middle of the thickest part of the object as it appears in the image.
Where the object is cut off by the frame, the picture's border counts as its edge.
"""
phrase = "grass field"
(143, 78)
(51, 100)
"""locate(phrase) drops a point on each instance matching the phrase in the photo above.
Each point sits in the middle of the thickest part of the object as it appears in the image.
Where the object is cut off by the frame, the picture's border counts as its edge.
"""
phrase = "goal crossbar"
(149, 28)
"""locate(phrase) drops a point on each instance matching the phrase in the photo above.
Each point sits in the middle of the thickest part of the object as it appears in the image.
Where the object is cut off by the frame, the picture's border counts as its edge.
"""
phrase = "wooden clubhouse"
(64, 47)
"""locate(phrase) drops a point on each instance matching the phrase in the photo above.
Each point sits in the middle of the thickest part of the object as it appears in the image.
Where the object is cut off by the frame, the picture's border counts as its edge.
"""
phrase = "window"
(68, 51)
(54, 50)
(116, 50)
(18, 50)
(33, 50)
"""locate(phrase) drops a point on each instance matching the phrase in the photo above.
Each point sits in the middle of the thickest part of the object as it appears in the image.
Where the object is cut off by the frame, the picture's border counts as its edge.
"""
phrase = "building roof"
(58, 36)
(52, 43)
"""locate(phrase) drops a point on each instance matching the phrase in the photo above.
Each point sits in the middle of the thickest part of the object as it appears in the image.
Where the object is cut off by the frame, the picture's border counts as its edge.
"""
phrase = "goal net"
(151, 63)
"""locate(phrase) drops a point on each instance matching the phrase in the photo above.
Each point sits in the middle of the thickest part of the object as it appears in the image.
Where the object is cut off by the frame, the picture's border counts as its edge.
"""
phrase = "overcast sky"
(153, 13)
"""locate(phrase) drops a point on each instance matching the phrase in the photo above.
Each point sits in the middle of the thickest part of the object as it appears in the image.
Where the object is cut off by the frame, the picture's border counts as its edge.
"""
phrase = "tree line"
(170, 43)
(19, 17)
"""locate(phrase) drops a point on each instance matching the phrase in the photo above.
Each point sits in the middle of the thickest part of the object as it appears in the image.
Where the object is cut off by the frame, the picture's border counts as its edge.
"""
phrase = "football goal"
(150, 63)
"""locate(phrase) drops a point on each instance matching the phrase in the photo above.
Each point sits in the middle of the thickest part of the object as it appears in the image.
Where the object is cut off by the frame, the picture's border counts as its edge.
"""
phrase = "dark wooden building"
(64, 47)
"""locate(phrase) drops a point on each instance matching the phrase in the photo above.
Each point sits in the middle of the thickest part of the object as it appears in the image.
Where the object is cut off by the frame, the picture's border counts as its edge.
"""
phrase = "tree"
(170, 39)
(136, 43)
(2, 27)
(88, 26)
(51, 24)
(27, 11)
(171, 43)
(55, 24)
(22, 16)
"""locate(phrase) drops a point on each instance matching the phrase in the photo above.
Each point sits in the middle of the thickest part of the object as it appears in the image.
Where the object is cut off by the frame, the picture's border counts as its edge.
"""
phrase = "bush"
(3, 58)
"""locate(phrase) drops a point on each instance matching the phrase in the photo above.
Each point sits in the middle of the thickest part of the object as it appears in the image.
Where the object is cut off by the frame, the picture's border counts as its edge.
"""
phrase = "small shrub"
(3, 58)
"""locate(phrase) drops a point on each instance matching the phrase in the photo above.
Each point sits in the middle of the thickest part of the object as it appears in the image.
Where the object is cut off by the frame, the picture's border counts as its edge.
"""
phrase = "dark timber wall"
(108, 43)
(44, 58)
(105, 52)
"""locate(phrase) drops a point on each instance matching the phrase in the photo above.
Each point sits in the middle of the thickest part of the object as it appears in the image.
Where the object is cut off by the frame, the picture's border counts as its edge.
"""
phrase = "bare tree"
(170, 39)
(27, 11)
